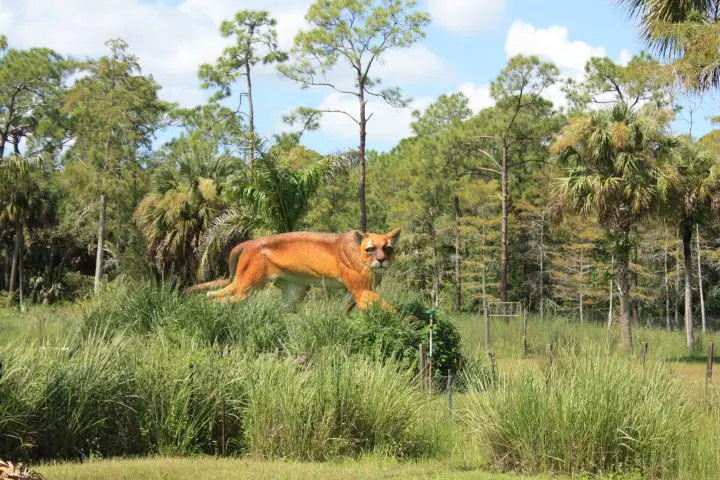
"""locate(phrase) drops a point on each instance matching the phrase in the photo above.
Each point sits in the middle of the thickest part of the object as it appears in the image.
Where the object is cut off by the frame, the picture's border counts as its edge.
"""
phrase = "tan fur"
(297, 260)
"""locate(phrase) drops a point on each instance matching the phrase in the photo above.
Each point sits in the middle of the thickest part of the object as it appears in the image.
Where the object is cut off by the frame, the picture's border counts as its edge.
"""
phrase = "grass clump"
(585, 413)
(340, 405)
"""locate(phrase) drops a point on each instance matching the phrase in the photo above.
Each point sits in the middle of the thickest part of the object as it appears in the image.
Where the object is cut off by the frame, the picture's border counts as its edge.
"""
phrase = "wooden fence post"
(549, 352)
(643, 353)
(708, 372)
(487, 325)
(430, 355)
(222, 426)
(493, 365)
(525, 332)
(421, 367)
(449, 388)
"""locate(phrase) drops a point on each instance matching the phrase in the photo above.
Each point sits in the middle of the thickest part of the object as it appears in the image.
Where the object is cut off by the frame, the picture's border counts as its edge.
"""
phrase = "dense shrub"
(260, 324)
(585, 412)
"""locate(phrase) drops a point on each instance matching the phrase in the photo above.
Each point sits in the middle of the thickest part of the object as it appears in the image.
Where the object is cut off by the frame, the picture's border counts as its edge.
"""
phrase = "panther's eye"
(388, 248)
(370, 249)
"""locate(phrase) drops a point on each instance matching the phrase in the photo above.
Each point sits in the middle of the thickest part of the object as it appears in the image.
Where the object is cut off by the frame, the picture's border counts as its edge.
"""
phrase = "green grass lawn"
(205, 467)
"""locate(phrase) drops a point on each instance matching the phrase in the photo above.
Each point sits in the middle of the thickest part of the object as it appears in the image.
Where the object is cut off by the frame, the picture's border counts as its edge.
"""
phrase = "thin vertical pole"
(708, 372)
(643, 353)
(525, 333)
(421, 367)
(430, 356)
(222, 426)
(487, 326)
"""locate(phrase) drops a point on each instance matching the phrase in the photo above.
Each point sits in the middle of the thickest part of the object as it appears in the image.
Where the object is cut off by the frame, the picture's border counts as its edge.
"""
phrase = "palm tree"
(615, 167)
(685, 31)
(273, 198)
(690, 201)
(24, 200)
(186, 199)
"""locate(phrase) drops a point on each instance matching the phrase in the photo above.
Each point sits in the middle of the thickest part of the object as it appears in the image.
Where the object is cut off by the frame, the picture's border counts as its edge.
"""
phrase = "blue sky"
(467, 44)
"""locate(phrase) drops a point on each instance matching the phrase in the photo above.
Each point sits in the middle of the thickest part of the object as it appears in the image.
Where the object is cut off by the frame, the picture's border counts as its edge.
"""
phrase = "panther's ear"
(394, 236)
(358, 236)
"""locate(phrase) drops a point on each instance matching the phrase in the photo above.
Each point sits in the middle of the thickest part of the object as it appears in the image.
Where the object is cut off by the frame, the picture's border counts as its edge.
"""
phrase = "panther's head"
(377, 250)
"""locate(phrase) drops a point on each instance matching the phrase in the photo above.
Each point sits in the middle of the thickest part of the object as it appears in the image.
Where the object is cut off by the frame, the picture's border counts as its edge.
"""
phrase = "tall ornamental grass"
(124, 395)
(586, 412)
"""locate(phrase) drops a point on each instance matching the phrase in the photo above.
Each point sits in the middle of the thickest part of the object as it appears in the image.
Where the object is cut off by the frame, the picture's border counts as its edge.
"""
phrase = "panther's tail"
(232, 261)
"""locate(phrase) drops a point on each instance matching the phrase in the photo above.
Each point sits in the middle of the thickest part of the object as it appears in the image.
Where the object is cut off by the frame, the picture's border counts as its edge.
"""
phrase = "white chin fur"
(377, 265)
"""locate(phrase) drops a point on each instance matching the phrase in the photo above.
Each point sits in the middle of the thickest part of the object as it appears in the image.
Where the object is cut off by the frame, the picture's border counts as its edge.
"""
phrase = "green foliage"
(32, 85)
(261, 325)
(255, 40)
(685, 32)
(586, 413)
(185, 201)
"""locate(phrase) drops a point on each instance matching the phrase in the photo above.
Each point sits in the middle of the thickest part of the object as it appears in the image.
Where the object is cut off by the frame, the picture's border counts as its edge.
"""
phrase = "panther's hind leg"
(293, 294)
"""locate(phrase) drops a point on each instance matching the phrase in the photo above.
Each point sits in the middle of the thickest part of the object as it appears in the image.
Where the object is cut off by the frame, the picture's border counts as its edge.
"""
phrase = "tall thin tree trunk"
(667, 285)
(101, 243)
(635, 302)
(542, 264)
(700, 285)
(251, 120)
(458, 277)
(15, 264)
(677, 281)
(623, 282)
(20, 264)
(582, 281)
(687, 253)
(436, 274)
(612, 293)
(361, 150)
(504, 226)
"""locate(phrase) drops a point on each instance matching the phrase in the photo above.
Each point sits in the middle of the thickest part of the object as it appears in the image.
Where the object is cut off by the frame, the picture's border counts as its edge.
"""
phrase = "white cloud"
(478, 95)
(413, 63)
(387, 124)
(466, 17)
(625, 57)
(552, 44)
(171, 41)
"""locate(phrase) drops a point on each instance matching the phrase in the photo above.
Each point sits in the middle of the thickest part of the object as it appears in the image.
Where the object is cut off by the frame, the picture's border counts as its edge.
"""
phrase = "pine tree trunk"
(687, 254)
(101, 243)
(14, 265)
(504, 226)
(700, 285)
(582, 281)
(251, 120)
(635, 301)
(542, 264)
(436, 274)
(677, 282)
(458, 278)
(667, 287)
(623, 282)
(361, 151)
(612, 293)
(20, 264)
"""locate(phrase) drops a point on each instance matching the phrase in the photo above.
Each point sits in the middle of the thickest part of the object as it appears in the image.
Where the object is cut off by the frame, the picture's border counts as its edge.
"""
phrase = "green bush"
(586, 412)
(261, 324)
